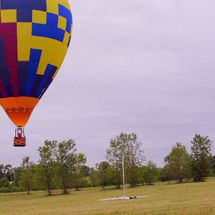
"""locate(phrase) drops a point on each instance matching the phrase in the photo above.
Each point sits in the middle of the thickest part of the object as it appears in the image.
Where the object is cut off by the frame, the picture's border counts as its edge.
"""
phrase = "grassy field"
(163, 199)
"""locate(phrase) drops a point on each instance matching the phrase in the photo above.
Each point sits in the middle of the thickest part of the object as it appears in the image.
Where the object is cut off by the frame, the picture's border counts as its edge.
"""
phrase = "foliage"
(212, 165)
(17, 175)
(178, 163)
(201, 157)
(125, 145)
(6, 171)
(94, 178)
(163, 174)
(60, 166)
(66, 161)
(149, 173)
(78, 178)
(26, 178)
(5, 186)
(6, 176)
(104, 174)
(46, 171)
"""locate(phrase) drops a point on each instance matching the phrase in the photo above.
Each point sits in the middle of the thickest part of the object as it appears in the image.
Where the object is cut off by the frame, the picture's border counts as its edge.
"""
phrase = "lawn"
(162, 199)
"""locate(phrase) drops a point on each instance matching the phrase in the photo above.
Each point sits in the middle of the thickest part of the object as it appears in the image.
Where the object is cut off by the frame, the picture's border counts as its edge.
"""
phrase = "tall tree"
(66, 160)
(26, 179)
(105, 174)
(17, 175)
(86, 170)
(213, 165)
(6, 171)
(78, 177)
(150, 173)
(127, 146)
(4, 185)
(47, 164)
(2, 171)
(178, 163)
(94, 179)
(201, 157)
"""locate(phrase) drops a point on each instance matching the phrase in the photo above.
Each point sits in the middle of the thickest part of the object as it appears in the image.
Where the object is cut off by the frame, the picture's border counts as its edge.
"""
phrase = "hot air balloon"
(34, 38)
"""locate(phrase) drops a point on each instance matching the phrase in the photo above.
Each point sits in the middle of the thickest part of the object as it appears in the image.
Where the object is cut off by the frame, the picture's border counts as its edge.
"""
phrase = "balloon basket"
(19, 139)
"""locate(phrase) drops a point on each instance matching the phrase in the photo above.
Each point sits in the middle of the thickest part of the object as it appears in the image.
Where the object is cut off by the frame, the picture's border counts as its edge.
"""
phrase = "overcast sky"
(143, 66)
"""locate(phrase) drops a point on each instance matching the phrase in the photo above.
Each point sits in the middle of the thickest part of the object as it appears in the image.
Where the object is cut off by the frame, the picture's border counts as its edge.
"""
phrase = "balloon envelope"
(34, 38)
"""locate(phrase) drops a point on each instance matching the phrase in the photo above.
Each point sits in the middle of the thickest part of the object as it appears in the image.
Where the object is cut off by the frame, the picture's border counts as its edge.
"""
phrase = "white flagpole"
(123, 174)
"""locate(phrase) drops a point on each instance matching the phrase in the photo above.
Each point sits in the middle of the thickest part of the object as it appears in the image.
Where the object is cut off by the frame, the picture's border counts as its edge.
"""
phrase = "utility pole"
(123, 174)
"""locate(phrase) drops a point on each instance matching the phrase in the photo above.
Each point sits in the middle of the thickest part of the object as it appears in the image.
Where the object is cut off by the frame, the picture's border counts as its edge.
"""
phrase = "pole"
(123, 174)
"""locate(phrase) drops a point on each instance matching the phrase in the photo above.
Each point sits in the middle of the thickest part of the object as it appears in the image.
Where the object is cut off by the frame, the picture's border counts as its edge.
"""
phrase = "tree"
(4, 186)
(125, 145)
(6, 171)
(94, 179)
(200, 157)
(163, 174)
(66, 160)
(17, 175)
(47, 164)
(213, 165)
(78, 177)
(26, 179)
(1, 171)
(105, 174)
(86, 170)
(6, 176)
(150, 173)
(178, 163)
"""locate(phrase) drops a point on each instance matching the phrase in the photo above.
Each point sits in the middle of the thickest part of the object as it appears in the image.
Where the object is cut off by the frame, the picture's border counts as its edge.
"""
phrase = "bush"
(14, 188)
(5, 189)
(4, 183)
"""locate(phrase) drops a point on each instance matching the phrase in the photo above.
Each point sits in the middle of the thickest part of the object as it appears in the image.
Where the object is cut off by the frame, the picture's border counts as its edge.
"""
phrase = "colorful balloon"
(34, 38)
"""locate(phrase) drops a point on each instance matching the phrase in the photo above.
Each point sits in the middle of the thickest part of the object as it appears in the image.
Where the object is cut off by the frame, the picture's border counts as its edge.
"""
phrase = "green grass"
(163, 199)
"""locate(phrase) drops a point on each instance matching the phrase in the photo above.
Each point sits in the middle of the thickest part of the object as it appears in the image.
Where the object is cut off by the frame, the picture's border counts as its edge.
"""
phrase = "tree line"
(61, 166)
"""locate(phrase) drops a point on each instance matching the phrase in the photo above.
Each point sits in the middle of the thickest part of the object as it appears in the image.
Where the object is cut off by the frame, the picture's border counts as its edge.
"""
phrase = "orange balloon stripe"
(19, 109)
